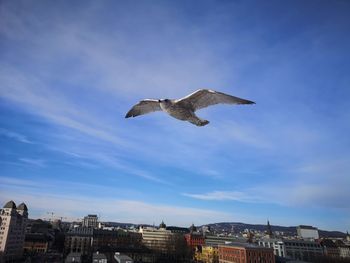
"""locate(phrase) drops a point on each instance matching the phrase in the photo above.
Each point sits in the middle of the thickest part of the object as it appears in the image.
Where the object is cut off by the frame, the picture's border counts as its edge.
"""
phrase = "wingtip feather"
(128, 115)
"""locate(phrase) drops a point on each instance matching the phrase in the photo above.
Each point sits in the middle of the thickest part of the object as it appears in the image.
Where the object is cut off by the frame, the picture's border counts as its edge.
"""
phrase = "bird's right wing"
(143, 107)
(203, 98)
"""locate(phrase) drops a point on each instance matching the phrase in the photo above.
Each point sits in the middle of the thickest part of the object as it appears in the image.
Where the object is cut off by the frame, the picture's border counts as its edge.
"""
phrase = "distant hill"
(123, 225)
(290, 230)
(240, 227)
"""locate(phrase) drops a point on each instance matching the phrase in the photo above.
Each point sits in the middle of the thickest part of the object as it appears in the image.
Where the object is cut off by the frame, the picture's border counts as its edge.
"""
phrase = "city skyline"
(70, 71)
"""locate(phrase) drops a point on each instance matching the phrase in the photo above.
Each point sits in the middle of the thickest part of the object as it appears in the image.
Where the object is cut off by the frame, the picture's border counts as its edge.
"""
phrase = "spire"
(193, 228)
(269, 230)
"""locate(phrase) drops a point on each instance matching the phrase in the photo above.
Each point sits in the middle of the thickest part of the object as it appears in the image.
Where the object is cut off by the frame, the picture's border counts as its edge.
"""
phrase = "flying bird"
(184, 108)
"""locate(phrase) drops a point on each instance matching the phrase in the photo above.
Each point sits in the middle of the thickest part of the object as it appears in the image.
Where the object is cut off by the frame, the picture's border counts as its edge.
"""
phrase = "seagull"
(184, 108)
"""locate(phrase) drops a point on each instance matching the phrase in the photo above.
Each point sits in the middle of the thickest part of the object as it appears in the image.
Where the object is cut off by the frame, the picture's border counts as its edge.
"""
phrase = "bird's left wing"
(203, 98)
(143, 107)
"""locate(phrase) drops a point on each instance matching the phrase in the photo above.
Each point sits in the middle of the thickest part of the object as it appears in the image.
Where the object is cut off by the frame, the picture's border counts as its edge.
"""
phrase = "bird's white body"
(179, 111)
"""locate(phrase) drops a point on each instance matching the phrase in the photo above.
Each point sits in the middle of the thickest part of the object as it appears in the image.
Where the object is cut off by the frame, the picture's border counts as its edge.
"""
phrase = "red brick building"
(245, 253)
(195, 239)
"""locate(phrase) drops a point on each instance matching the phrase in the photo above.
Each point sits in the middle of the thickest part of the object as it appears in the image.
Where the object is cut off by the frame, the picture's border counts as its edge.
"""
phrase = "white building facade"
(90, 221)
(13, 222)
(307, 232)
(279, 249)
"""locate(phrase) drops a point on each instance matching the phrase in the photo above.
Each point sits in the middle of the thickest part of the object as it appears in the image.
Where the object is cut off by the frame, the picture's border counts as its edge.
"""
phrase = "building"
(245, 253)
(178, 230)
(36, 243)
(330, 249)
(99, 258)
(13, 222)
(194, 239)
(156, 238)
(307, 232)
(278, 246)
(344, 250)
(115, 240)
(122, 258)
(303, 250)
(90, 221)
(269, 230)
(222, 240)
(79, 240)
(73, 257)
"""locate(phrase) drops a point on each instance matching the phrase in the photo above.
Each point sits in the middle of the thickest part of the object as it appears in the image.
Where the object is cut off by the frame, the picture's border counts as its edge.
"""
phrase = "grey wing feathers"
(143, 107)
(203, 98)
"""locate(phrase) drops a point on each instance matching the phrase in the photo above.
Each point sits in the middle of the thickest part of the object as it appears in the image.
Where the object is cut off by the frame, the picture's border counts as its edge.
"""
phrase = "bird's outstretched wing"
(203, 98)
(143, 107)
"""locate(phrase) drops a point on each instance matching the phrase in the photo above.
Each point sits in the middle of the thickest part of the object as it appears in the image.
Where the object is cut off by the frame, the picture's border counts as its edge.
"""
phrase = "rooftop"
(22, 206)
(244, 245)
(307, 227)
(10, 204)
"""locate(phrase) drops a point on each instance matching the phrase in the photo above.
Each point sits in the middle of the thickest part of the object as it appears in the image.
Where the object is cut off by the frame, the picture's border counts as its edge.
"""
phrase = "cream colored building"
(13, 221)
(90, 221)
(156, 238)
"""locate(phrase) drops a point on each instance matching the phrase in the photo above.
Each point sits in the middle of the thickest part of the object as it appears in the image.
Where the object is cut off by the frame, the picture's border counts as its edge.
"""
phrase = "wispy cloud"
(223, 196)
(17, 182)
(35, 162)
(76, 78)
(15, 136)
(122, 210)
(315, 194)
(32, 93)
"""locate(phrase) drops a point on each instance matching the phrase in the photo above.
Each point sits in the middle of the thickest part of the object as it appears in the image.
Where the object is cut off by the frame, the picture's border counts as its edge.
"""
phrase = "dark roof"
(176, 229)
(193, 228)
(81, 231)
(97, 255)
(340, 243)
(36, 237)
(10, 204)
(307, 227)
(245, 245)
(328, 243)
(22, 207)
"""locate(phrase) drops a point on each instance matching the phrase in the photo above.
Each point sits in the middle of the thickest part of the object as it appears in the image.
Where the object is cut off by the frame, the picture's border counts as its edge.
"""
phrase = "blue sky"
(69, 71)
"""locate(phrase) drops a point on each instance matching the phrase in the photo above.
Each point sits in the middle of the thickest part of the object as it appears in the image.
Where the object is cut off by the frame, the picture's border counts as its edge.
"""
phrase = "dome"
(22, 207)
(10, 204)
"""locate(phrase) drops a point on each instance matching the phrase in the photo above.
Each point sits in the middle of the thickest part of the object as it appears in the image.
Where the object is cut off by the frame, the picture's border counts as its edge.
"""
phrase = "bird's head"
(165, 101)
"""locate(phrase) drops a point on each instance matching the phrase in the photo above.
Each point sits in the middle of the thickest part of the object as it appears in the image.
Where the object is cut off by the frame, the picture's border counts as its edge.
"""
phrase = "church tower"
(269, 230)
